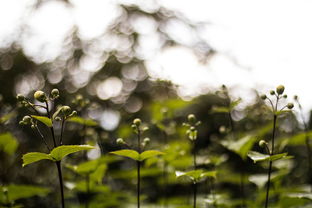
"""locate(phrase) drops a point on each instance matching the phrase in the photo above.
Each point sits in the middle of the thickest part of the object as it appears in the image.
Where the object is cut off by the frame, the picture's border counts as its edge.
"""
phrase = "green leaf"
(7, 117)
(16, 192)
(282, 112)
(128, 153)
(136, 156)
(32, 157)
(196, 175)
(82, 121)
(149, 153)
(8, 143)
(44, 120)
(257, 156)
(240, 146)
(235, 103)
(60, 152)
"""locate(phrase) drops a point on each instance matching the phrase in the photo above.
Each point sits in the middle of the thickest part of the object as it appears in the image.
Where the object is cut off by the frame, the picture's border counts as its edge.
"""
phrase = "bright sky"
(271, 41)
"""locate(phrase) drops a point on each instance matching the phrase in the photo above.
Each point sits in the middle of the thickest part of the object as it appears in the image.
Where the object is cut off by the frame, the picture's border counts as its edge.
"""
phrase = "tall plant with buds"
(139, 155)
(195, 175)
(278, 94)
(57, 151)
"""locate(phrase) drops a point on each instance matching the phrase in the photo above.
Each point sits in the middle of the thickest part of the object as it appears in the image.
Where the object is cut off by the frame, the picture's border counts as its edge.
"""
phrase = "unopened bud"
(120, 141)
(27, 119)
(272, 92)
(40, 96)
(290, 105)
(137, 122)
(55, 93)
(263, 97)
(262, 143)
(66, 110)
(20, 97)
(280, 89)
(191, 118)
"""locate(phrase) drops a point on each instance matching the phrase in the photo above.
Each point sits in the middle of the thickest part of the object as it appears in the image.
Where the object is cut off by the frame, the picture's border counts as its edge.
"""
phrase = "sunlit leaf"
(196, 175)
(257, 156)
(45, 120)
(149, 153)
(82, 121)
(240, 146)
(128, 153)
(8, 143)
(60, 152)
(32, 157)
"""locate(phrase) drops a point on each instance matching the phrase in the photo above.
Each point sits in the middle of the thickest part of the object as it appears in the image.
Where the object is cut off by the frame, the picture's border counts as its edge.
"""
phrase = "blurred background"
(116, 60)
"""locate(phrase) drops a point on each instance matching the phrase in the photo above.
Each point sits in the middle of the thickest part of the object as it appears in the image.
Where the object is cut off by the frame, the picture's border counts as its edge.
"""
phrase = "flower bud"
(280, 89)
(20, 97)
(57, 118)
(137, 122)
(146, 140)
(21, 123)
(27, 119)
(290, 105)
(192, 128)
(272, 92)
(285, 96)
(120, 141)
(263, 97)
(33, 126)
(262, 143)
(66, 110)
(191, 118)
(74, 113)
(296, 97)
(40, 96)
(55, 93)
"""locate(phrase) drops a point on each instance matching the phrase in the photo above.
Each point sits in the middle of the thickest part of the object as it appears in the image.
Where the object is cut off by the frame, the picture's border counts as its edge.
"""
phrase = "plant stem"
(195, 193)
(270, 164)
(139, 182)
(51, 128)
(62, 129)
(139, 169)
(59, 170)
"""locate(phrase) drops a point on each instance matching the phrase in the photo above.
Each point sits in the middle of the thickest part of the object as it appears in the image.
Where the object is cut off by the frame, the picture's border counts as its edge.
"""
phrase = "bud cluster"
(279, 94)
(191, 123)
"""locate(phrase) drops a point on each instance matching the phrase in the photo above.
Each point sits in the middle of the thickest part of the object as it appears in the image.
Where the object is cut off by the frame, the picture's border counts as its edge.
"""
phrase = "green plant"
(271, 156)
(59, 151)
(138, 155)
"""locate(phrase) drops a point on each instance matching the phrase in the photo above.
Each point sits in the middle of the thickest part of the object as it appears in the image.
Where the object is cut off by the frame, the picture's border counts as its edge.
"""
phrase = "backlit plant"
(139, 155)
(48, 117)
(278, 94)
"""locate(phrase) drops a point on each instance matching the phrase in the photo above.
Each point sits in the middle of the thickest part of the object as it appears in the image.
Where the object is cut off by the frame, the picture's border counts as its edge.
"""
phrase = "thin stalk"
(42, 138)
(270, 164)
(195, 194)
(165, 175)
(195, 183)
(51, 128)
(59, 170)
(139, 169)
(62, 130)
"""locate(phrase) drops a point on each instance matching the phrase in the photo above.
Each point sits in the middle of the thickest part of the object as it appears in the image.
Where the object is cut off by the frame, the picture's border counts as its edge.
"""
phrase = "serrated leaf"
(60, 152)
(257, 156)
(149, 153)
(82, 121)
(128, 153)
(32, 157)
(45, 120)
(8, 143)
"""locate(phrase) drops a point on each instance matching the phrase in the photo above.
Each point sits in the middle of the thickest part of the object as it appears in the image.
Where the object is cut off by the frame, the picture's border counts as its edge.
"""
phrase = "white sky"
(272, 40)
